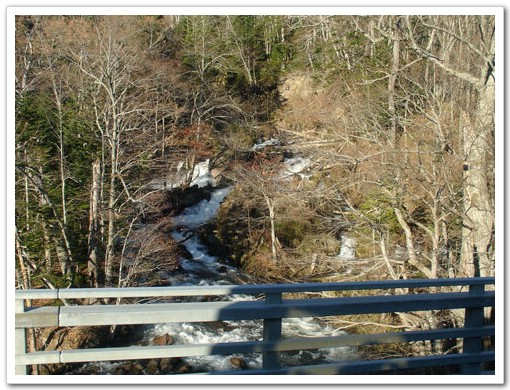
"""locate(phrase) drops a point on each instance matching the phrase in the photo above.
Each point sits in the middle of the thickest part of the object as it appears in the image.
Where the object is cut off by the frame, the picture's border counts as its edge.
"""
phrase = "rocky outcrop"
(50, 339)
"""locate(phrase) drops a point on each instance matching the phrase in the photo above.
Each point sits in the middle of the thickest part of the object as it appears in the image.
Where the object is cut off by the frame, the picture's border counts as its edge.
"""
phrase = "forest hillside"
(371, 133)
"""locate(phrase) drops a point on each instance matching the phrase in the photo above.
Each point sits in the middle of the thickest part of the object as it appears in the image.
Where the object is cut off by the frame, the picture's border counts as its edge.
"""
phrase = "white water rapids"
(203, 269)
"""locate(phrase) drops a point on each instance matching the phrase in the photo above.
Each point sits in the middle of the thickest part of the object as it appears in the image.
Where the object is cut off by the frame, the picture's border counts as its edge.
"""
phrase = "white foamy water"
(204, 269)
(205, 210)
(249, 330)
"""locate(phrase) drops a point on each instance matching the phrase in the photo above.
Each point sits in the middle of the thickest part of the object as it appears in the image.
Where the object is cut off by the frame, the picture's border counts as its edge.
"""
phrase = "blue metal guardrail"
(469, 294)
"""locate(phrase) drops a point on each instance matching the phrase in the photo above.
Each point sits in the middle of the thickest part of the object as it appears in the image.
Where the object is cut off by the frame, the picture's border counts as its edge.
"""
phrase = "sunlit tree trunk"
(472, 43)
(477, 233)
(94, 227)
(392, 80)
(270, 207)
(24, 270)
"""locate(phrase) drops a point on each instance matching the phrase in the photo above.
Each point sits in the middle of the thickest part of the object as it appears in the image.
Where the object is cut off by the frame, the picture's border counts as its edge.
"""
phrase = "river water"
(204, 269)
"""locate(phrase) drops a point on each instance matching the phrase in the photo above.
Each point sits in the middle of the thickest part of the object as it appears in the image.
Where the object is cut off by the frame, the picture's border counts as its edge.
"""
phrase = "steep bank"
(282, 220)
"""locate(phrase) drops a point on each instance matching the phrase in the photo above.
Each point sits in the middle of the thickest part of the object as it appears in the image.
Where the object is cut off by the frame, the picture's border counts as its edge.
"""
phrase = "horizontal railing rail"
(276, 302)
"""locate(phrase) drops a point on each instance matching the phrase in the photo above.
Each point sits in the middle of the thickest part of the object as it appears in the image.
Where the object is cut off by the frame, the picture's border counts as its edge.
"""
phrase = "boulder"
(164, 339)
(168, 364)
(238, 362)
(183, 369)
(153, 367)
(130, 368)
(79, 337)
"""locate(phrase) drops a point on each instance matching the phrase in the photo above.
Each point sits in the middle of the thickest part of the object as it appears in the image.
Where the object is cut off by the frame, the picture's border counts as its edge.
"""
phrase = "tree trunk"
(384, 252)
(94, 226)
(270, 207)
(477, 234)
(111, 232)
(58, 104)
(395, 64)
(25, 271)
(413, 260)
(477, 256)
(112, 197)
(48, 260)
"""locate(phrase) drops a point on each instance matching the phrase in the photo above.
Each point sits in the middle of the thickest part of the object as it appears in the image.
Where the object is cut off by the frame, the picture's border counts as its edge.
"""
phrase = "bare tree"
(93, 269)
(112, 63)
(464, 48)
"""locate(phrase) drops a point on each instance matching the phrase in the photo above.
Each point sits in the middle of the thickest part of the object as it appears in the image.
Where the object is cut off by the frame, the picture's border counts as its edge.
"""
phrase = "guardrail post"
(20, 339)
(473, 318)
(272, 332)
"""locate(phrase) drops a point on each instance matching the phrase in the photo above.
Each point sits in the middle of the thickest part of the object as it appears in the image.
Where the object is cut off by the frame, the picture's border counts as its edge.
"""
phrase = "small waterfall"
(347, 248)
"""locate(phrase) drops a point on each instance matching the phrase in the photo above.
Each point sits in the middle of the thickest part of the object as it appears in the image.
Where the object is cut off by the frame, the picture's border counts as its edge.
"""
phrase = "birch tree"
(110, 62)
(463, 47)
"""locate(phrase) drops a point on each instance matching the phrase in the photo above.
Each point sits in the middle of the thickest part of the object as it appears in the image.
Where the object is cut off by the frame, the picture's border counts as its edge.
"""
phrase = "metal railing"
(274, 304)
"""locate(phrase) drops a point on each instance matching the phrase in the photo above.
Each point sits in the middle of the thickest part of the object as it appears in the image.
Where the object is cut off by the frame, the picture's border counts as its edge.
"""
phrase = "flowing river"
(203, 269)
